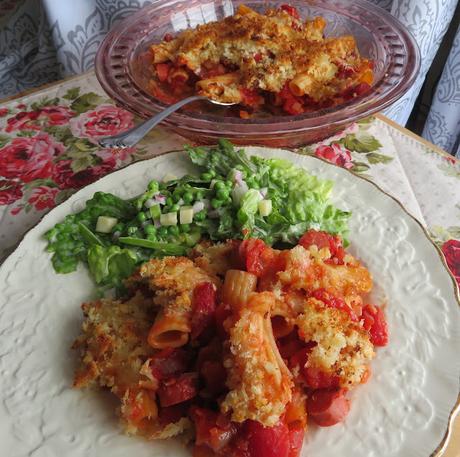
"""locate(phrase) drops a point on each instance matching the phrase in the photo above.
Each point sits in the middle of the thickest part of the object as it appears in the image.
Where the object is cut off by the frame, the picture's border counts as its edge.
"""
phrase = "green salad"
(234, 197)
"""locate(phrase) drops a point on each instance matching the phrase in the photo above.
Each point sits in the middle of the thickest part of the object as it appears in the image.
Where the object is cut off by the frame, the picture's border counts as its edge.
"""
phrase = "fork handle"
(134, 135)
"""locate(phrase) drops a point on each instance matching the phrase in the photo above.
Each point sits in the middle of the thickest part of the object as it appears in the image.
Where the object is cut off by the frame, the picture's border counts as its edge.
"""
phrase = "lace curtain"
(44, 40)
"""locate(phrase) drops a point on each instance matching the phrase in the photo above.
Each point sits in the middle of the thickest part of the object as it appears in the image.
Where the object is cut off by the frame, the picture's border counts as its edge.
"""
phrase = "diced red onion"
(238, 177)
(149, 203)
(198, 206)
(161, 199)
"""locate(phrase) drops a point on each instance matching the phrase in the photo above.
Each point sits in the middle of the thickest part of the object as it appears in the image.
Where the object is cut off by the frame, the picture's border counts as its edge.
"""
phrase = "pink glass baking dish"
(124, 75)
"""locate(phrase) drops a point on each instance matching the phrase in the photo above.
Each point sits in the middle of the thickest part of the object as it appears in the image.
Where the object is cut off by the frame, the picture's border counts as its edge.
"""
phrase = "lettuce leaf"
(300, 200)
(110, 265)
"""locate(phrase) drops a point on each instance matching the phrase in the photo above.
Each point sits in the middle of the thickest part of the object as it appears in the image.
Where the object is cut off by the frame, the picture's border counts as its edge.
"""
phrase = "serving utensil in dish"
(134, 135)
(122, 70)
(405, 408)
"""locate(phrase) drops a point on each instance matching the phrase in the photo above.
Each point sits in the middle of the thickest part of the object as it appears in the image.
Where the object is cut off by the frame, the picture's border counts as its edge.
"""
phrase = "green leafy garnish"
(225, 198)
(110, 265)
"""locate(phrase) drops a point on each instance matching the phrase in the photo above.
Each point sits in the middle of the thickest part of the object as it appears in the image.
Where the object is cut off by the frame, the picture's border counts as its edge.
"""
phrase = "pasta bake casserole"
(237, 345)
(273, 61)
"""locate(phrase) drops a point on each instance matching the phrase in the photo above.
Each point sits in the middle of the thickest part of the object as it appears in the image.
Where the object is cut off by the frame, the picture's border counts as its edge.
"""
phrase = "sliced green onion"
(167, 248)
(90, 237)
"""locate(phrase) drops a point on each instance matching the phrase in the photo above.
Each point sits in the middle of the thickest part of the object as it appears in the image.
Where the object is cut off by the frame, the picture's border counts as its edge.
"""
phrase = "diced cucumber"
(265, 207)
(105, 224)
(186, 215)
(168, 219)
(155, 211)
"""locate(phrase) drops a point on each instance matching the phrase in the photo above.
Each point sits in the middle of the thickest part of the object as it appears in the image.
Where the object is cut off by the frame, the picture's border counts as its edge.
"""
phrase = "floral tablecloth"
(48, 150)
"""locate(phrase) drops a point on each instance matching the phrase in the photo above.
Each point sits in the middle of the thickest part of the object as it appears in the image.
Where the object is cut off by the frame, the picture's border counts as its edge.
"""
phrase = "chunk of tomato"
(250, 97)
(212, 429)
(296, 434)
(163, 71)
(328, 406)
(333, 302)
(375, 323)
(169, 362)
(291, 10)
(255, 255)
(322, 240)
(177, 390)
(319, 379)
(204, 308)
(267, 441)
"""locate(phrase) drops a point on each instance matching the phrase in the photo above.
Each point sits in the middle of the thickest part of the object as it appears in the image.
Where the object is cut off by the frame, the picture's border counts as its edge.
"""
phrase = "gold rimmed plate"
(404, 410)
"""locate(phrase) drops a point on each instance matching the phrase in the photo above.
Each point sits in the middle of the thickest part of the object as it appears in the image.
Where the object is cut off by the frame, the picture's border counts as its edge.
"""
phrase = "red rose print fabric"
(50, 148)
(106, 120)
(29, 158)
(451, 251)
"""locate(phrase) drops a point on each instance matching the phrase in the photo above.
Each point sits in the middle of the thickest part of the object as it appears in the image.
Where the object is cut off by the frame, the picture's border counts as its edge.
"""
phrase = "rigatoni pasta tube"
(223, 80)
(301, 84)
(282, 319)
(238, 285)
(178, 75)
(259, 381)
(169, 330)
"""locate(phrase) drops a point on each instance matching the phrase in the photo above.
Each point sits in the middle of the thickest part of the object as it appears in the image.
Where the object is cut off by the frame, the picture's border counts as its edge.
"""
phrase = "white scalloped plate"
(404, 410)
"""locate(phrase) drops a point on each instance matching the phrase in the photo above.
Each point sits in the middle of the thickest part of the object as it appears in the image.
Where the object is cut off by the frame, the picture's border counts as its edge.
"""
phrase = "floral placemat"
(48, 150)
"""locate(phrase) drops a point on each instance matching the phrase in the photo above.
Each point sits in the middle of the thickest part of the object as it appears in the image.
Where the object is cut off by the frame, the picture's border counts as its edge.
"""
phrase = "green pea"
(153, 185)
(141, 217)
(173, 208)
(201, 216)
(177, 192)
(118, 227)
(219, 185)
(173, 230)
(206, 176)
(150, 229)
(216, 203)
(222, 194)
(132, 229)
(169, 201)
(184, 228)
(162, 231)
(152, 236)
(199, 194)
(187, 197)
(229, 184)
